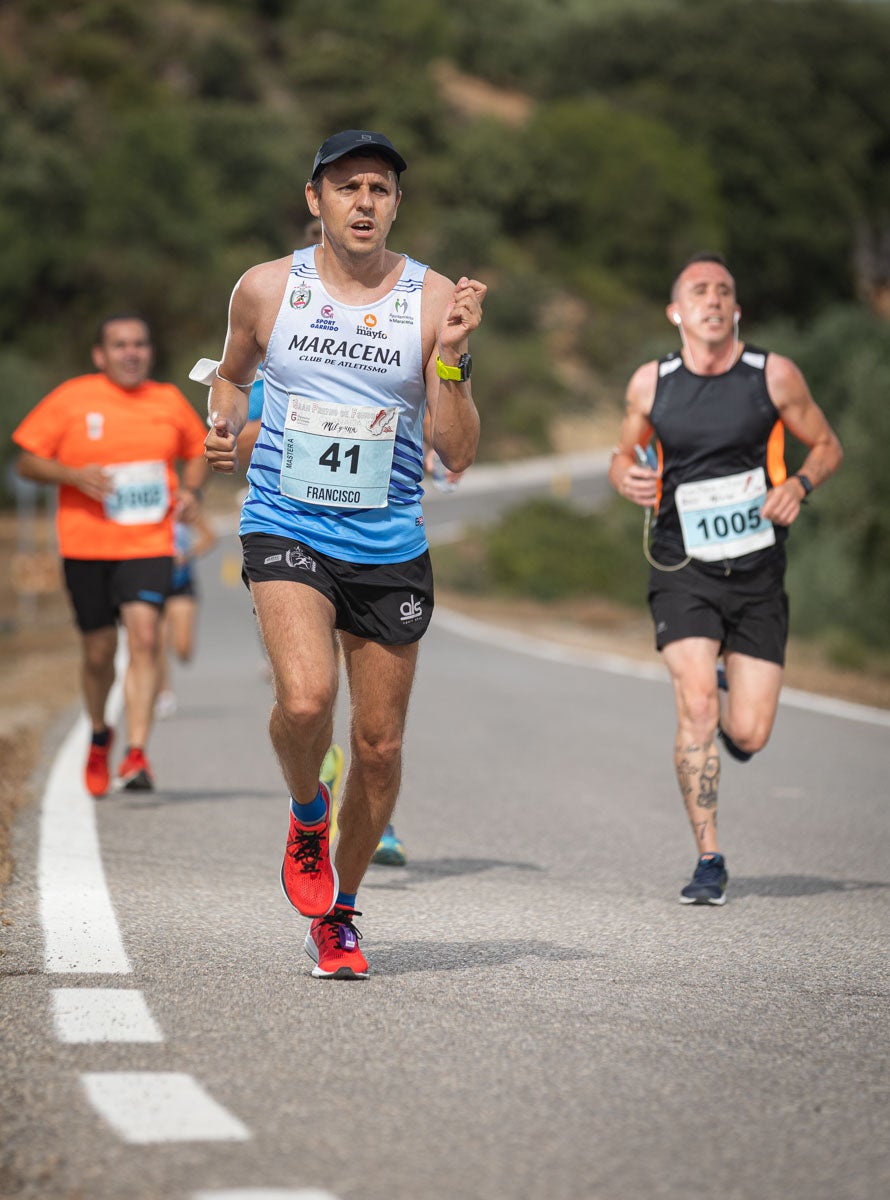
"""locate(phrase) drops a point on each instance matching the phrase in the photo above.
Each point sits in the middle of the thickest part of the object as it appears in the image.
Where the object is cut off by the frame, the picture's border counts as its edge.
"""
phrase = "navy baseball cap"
(349, 141)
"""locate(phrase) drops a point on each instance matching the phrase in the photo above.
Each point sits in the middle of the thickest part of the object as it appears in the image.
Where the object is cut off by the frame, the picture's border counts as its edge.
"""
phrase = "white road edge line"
(148, 1107)
(522, 643)
(102, 1015)
(260, 1193)
(81, 933)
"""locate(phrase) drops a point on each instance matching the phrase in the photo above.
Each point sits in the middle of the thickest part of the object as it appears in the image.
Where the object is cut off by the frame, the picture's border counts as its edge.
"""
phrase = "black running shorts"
(390, 603)
(98, 587)
(746, 611)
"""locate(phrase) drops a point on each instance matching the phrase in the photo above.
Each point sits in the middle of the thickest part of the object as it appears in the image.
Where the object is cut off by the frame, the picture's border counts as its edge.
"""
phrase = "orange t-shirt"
(139, 434)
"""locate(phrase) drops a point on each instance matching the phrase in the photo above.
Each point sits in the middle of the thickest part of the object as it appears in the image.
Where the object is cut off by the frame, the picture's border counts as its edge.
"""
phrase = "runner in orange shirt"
(110, 441)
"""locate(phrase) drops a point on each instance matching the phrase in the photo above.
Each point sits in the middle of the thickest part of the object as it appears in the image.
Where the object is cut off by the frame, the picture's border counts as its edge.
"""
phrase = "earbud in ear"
(676, 318)
(735, 318)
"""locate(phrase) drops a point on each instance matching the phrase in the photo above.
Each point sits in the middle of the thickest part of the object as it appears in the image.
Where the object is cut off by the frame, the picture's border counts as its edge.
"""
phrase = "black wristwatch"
(804, 481)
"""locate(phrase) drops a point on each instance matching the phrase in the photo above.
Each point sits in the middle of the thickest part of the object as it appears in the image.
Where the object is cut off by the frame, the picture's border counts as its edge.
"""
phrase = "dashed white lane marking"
(81, 936)
(103, 1015)
(265, 1194)
(80, 929)
(522, 643)
(147, 1107)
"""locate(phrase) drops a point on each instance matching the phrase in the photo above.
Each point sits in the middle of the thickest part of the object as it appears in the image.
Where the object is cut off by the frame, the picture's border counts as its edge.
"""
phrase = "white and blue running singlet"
(338, 462)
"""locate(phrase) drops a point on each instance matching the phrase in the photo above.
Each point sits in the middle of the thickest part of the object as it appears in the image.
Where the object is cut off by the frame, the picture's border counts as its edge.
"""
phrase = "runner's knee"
(304, 708)
(698, 715)
(378, 754)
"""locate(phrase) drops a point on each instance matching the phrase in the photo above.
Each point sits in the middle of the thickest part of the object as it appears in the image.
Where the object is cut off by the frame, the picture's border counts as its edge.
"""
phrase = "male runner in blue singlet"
(390, 850)
(724, 502)
(356, 342)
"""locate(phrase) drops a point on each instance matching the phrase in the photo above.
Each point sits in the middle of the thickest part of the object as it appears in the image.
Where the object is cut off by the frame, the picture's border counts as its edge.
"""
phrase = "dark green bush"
(547, 550)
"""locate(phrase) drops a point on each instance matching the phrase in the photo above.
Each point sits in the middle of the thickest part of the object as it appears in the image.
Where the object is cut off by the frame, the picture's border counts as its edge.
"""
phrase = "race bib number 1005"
(337, 455)
(720, 518)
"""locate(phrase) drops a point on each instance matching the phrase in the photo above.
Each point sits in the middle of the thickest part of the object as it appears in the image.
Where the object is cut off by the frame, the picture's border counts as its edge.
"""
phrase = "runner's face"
(357, 203)
(705, 299)
(125, 353)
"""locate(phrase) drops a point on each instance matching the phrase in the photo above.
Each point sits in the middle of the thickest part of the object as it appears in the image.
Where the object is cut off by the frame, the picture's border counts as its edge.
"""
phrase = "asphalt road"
(544, 1019)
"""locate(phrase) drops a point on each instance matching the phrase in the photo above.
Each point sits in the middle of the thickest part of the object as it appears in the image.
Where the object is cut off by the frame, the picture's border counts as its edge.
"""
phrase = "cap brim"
(394, 159)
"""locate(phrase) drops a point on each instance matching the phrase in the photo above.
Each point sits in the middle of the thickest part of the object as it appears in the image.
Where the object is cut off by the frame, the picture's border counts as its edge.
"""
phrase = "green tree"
(789, 104)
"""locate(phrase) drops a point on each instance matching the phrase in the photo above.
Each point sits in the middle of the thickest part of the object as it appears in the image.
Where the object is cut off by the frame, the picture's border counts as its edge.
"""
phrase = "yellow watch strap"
(446, 372)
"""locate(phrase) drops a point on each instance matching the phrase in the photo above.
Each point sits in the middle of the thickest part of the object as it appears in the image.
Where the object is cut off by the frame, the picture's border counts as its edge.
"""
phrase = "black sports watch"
(804, 481)
(460, 374)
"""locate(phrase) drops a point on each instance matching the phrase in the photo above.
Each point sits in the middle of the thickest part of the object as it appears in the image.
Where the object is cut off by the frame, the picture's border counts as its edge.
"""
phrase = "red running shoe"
(96, 775)
(332, 944)
(134, 773)
(308, 876)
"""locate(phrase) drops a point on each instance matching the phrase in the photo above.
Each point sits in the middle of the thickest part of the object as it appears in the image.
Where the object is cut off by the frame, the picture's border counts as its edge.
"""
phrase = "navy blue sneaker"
(708, 884)
(735, 751)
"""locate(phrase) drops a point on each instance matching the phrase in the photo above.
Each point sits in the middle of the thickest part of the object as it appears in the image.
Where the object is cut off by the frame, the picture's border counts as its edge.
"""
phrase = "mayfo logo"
(366, 329)
(327, 311)
(300, 296)
(411, 610)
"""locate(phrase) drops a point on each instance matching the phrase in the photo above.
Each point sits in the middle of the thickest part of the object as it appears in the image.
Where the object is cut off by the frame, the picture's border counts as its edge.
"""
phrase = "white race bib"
(141, 495)
(720, 518)
(337, 455)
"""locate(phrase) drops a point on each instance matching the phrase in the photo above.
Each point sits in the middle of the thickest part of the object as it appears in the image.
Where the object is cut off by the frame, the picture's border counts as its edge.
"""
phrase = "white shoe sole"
(341, 973)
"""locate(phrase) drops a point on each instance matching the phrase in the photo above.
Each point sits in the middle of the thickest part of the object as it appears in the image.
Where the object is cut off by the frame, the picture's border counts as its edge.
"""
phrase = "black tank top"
(709, 426)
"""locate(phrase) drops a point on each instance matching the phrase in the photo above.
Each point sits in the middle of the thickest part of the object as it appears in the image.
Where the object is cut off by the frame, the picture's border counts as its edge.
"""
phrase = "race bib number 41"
(720, 518)
(337, 455)
(141, 495)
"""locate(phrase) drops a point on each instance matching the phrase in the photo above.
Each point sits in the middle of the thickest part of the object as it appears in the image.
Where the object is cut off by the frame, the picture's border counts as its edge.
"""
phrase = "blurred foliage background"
(572, 154)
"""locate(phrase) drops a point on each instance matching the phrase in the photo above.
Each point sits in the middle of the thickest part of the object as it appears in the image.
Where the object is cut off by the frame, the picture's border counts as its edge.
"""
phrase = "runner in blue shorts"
(723, 501)
(356, 343)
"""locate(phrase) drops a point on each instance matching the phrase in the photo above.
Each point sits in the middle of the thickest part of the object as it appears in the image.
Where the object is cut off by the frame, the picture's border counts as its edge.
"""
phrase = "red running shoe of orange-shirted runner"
(332, 944)
(96, 775)
(134, 773)
(308, 877)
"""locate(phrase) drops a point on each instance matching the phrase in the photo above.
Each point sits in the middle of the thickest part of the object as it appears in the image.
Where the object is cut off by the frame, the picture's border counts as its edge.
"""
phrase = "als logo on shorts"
(410, 611)
(297, 559)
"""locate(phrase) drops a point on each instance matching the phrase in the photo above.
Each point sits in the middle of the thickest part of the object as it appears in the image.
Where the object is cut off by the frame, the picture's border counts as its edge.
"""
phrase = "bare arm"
(630, 480)
(254, 302)
(804, 419)
(451, 313)
(247, 440)
(193, 476)
(205, 538)
(91, 479)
